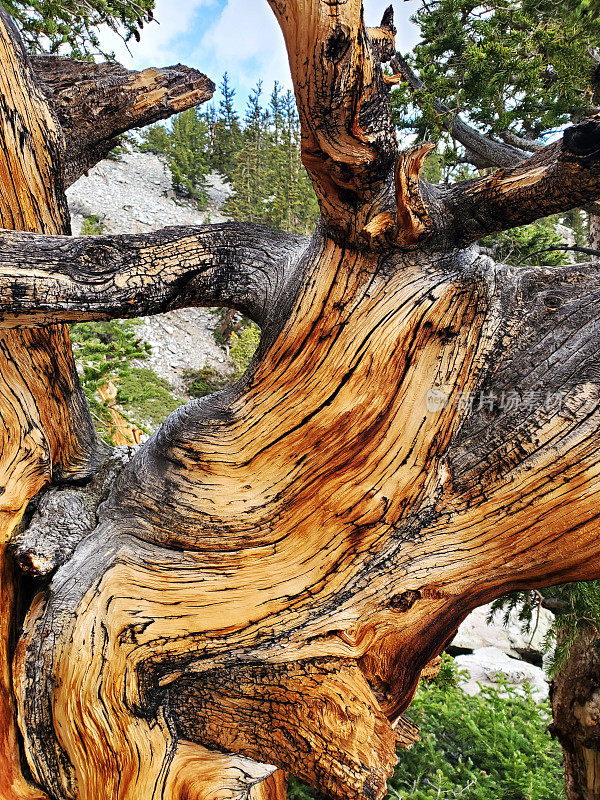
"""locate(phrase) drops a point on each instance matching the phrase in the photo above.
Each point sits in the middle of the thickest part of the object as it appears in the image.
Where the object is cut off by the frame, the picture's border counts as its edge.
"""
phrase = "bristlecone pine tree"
(260, 585)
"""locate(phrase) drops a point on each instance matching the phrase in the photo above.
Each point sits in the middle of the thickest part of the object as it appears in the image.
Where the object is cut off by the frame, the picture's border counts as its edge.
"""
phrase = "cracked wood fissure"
(238, 265)
(273, 569)
(47, 431)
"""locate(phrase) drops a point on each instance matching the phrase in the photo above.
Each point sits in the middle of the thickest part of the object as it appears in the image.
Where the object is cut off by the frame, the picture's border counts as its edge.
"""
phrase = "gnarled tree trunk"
(575, 696)
(264, 581)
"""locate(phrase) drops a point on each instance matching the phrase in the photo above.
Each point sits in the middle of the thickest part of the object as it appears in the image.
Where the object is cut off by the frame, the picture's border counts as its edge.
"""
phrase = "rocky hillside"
(134, 195)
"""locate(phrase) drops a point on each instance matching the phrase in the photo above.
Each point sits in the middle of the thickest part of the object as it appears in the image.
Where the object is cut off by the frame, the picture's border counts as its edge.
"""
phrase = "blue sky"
(237, 36)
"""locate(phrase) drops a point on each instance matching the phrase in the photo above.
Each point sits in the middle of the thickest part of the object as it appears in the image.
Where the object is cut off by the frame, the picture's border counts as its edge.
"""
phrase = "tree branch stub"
(95, 103)
(561, 176)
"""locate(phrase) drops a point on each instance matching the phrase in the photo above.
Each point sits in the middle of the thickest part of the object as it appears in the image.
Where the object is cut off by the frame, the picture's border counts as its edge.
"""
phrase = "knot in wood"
(553, 301)
(404, 601)
(583, 140)
(337, 45)
(101, 258)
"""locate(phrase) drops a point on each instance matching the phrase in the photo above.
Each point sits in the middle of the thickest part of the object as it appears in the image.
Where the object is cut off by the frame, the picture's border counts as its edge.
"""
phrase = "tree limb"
(562, 176)
(529, 145)
(46, 430)
(568, 248)
(317, 719)
(483, 151)
(52, 279)
(534, 425)
(95, 103)
(348, 138)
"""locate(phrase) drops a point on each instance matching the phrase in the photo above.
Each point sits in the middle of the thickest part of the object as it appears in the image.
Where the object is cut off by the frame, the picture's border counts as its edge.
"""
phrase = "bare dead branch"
(52, 279)
(568, 248)
(95, 103)
(562, 176)
(63, 516)
(529, 145)
(483, 151)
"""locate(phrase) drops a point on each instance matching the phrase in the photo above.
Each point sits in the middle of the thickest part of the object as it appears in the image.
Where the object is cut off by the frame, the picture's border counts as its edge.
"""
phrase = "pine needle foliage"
(185, 144)
(104, 352)
(575, 606)
(71, 26)
(521, 67)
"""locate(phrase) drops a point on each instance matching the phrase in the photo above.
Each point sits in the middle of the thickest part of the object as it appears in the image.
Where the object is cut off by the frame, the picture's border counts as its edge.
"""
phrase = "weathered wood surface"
(238, 265)
(417, 434)
(46, 430)
(575, 698)
(95, 103)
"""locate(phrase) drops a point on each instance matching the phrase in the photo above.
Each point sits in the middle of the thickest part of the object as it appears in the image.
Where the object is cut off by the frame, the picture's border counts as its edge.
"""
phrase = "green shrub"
(91, 226)
(204, 381)
(145, 397)
(104, 351)
(243, 347)
(528, 244)
(494, 746)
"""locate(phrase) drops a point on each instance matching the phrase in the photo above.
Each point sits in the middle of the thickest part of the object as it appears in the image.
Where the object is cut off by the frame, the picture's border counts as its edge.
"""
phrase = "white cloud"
(158, 45)
(241, 37)
(245, 41)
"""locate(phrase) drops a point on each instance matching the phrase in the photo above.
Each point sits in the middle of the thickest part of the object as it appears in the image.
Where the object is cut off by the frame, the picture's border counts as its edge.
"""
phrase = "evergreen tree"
(227, 134)
(521, 67)
(186, 149)
(188, 156)
(211, 118)
(270, 183)
(156, 139)
(292, 203)
(249, 173)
